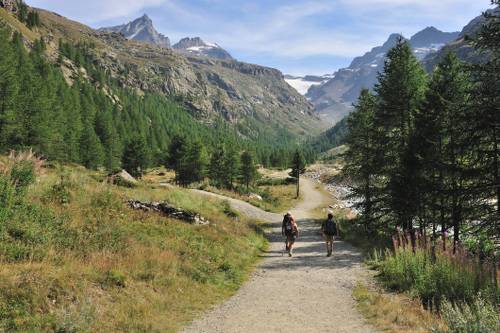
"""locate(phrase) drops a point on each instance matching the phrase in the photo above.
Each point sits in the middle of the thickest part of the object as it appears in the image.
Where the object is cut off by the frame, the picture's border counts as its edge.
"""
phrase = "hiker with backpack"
(290, 230)
(330, 230)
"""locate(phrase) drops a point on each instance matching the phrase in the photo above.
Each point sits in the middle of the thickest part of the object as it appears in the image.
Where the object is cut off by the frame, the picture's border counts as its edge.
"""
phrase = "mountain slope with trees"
(252, 98)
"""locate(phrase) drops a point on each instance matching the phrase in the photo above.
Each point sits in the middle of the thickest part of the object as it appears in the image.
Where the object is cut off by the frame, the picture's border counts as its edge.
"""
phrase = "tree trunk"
(298, 185)
(496, 165)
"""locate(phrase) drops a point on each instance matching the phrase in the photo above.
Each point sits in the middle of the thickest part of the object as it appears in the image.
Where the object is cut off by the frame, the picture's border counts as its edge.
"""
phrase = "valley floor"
(306, 293)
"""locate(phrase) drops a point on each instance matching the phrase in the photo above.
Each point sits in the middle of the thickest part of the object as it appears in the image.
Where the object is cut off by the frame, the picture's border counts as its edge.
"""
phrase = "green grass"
(75, 258)
(435, 281)
(275, 198)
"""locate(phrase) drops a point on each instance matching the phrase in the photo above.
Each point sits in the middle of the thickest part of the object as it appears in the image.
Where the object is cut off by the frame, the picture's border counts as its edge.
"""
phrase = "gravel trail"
(306, 293)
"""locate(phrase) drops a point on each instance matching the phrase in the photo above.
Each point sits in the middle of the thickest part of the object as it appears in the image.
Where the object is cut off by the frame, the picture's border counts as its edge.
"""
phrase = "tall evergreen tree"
(360, 156)
(91, 150)
(400, 92)
(484, 122)
(231, 166)
(298, 164)
(176, 152)
(135, 156)
(192, 167)
(216, 170)
(9, 90)
(248, 172)
(445, 148)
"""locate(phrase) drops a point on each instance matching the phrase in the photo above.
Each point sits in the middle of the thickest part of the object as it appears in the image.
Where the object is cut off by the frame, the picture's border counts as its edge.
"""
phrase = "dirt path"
(306, 293)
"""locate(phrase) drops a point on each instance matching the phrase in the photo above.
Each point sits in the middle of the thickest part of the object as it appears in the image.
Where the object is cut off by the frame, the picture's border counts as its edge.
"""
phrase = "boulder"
(10, 5)
(255, 196)
(123, 178)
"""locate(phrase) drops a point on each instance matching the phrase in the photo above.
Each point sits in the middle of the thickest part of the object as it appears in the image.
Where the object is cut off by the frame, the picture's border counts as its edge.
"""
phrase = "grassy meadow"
(75, 258)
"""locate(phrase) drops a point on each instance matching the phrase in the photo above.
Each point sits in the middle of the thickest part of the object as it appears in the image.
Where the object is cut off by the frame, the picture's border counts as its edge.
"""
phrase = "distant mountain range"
(333, 99)
(142, 30)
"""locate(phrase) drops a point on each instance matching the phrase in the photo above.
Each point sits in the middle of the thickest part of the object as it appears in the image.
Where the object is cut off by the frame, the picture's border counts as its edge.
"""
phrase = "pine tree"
(192, 166)
(9, 90)
(248, 171)
(216, 170)
(359, 158)
(231, 165)
(176, 152)
(444, 147)
(400, 92)
(109, 138)
(91, 150)
(484, 123)
(298, 164)
(135, 156)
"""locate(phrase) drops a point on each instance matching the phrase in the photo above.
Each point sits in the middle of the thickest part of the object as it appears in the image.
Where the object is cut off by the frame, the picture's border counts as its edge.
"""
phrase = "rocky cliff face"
(141, 29)
(248, 96)
(196, 46)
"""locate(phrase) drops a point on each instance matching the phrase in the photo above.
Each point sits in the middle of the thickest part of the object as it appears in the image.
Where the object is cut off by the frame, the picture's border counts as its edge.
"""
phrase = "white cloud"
(95, 11)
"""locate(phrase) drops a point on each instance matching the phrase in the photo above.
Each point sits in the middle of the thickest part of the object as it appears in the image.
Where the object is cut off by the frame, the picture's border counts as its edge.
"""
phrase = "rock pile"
(169, 211)
(10, 5)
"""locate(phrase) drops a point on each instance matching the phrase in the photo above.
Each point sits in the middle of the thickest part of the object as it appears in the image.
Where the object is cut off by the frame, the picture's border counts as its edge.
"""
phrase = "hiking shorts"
(329, 238)
(291, 237)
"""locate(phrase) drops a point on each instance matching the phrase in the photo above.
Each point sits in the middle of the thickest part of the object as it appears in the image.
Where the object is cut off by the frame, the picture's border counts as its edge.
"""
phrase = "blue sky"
(296, 36)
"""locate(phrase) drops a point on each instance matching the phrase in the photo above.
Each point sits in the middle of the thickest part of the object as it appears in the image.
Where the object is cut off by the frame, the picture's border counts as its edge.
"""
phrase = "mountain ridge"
(333, 99)
(140, 29)
(197, 46)
(252, 99)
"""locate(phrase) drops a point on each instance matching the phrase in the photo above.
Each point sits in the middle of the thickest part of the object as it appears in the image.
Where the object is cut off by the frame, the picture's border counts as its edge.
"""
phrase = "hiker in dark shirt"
(289, 229)
(329, 229)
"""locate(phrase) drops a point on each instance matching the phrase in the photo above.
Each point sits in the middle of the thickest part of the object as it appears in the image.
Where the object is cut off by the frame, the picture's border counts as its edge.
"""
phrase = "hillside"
(75, 258)
(252, 98)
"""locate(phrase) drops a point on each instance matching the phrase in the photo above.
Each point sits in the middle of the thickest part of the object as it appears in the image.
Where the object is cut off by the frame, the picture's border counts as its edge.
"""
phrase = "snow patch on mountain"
(302, 84)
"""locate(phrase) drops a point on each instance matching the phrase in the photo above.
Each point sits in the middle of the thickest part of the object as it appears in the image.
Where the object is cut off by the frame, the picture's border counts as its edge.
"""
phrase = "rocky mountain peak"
(432, 36)
(198, 47)
(141, 29)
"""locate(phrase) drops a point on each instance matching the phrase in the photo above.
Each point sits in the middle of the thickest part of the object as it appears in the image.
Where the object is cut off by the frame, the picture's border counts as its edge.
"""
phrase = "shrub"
(479, 316)
(22, 175)
(432, 280)
(60, 192)
(114, 279)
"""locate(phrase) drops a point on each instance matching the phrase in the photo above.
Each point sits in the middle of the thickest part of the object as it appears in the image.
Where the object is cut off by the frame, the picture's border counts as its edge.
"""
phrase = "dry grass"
(281, 197)
(395, 313)
(14, 23)
(123, 271)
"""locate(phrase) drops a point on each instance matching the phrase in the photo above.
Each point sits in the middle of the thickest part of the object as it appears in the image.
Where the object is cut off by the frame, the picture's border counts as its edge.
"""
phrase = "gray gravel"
(306, 293)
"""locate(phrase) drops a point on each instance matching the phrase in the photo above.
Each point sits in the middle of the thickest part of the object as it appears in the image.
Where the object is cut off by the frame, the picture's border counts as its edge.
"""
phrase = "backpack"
(330, 227)
(288, 225)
